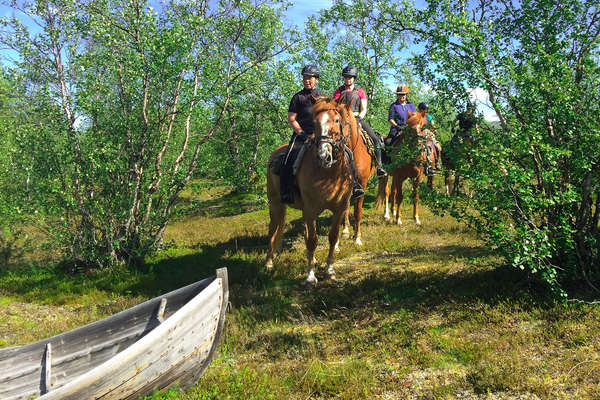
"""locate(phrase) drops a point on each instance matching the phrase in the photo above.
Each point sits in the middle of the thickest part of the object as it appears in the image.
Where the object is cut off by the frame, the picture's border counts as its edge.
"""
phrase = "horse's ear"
(315, 100)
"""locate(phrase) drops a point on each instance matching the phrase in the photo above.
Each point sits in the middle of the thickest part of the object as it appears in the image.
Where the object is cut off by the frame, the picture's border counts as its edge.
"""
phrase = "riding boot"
(380, 171)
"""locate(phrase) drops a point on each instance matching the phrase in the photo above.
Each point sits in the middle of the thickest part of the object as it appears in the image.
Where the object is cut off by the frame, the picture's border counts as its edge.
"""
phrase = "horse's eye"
(337, 120)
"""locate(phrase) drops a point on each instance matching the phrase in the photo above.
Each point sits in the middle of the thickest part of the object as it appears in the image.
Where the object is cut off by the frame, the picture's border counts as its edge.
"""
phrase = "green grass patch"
(417, 312)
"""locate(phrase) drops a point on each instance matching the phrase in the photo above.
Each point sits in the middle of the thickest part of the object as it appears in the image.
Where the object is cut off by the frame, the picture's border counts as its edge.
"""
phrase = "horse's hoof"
(358, 242)
(310, 282)
(346, 233)
(269, 265)
(331, 273)
(399, 222)
(418, 221)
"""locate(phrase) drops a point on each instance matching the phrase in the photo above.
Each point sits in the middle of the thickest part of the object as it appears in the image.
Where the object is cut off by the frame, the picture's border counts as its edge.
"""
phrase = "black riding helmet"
(349, 70)
(310, 70)
(423, 106)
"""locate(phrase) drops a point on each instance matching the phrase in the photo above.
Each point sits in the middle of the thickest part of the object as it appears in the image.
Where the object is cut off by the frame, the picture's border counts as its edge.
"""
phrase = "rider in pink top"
(351, 93)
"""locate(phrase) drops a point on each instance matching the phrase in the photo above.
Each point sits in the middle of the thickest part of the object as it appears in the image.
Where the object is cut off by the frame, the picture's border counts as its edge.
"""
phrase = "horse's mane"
(322, 104)
(415, 120)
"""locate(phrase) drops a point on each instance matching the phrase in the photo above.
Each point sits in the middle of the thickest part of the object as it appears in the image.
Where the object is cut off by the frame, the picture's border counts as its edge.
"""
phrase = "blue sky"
(300, 11)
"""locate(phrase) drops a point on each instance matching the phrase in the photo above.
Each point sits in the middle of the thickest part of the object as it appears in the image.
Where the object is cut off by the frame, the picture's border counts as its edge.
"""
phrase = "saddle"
(295, 157)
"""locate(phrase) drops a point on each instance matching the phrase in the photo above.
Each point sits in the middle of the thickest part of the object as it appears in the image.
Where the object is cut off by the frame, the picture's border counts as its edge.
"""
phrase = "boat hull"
(167, 340)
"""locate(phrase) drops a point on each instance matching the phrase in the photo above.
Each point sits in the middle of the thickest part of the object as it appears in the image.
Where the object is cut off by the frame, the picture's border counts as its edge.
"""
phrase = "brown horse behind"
(324, 181)
(414, 169)
(365, 168)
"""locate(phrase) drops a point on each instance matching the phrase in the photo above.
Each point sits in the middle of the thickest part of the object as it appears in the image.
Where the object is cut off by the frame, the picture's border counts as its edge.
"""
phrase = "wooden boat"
(169, 339)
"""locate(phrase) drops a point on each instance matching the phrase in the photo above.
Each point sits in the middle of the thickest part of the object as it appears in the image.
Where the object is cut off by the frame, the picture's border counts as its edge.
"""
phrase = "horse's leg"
(447, 180)
(383, 193)
(397, 186)
(416, 183)
(311, 244)
(346, 230)
(358, 214)
(305, 234)
(455, 186)
(334, 232)
(393, 193)
(276, 225)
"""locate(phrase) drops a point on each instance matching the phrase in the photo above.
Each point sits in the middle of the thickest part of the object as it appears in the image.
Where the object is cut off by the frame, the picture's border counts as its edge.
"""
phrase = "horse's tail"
(381, 192)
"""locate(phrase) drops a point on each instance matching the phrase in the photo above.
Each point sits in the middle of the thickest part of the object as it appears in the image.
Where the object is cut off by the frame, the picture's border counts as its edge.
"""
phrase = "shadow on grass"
(277, 295)
(227, 205)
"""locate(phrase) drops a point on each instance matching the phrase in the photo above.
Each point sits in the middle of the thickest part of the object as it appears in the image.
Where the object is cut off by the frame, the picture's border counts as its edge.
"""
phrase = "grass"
(419, 312)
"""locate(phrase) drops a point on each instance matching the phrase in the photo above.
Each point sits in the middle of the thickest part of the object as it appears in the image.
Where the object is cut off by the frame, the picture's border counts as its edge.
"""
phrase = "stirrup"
(357, 193)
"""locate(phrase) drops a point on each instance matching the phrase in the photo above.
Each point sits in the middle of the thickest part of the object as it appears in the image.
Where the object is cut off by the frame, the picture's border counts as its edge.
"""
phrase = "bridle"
(336, 145)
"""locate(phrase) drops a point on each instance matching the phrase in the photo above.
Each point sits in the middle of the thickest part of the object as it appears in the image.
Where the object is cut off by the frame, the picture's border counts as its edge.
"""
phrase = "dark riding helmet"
(310, 70)
(423, 106)
(349, 70)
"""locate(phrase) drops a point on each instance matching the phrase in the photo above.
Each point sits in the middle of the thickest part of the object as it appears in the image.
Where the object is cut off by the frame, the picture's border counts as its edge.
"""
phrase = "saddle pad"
(368, 141)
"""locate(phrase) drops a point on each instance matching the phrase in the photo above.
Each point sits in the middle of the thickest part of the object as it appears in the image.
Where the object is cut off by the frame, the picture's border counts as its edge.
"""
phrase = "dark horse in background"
(414, 139)
(323, 180)
(455, 154)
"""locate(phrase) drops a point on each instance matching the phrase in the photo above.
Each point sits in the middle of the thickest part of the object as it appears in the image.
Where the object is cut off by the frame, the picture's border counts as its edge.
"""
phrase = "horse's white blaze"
(324, 124)
(324, 151)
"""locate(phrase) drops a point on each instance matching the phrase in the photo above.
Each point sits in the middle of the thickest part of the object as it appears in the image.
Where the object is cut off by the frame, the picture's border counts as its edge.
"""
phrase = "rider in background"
(430, 125)
(398, 113)
(467, 120)
(300, 118)
(349, 92)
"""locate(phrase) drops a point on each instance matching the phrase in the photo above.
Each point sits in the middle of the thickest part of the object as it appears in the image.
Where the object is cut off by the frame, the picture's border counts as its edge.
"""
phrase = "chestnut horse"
(365, 167)
(324, 180)
(414, 169)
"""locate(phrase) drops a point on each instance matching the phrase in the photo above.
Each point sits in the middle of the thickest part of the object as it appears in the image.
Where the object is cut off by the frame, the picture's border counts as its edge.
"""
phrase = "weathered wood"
(127, 355)
(161, 310)
(46, 367)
